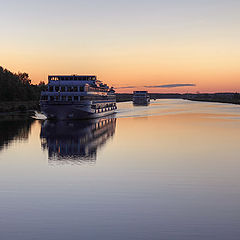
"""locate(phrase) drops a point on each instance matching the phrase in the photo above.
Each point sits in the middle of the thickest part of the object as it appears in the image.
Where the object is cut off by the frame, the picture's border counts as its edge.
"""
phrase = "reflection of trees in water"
(12, 129)
(76, 141)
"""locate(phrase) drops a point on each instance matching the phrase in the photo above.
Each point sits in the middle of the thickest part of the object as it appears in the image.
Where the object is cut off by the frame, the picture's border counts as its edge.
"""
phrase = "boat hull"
(63, 111)
(141, 101)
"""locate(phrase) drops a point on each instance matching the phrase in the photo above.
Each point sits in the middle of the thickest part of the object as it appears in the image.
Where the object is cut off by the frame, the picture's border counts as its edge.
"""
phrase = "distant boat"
(141, 98)
(77, 97)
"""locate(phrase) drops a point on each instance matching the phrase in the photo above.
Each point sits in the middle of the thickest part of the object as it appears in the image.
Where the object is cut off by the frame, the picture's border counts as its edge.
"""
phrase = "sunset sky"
(177, 45)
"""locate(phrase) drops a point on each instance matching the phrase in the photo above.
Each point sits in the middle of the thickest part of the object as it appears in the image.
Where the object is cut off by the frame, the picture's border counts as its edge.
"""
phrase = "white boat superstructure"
(141, 98)
(77, 97)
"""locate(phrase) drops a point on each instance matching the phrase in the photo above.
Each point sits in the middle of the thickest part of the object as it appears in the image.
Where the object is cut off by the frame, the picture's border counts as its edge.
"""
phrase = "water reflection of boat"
(76, 141)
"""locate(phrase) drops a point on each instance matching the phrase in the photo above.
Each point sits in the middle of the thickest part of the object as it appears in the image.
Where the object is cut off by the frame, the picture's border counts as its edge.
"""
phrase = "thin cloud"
(172, 85)
(125, 87)
(160, 86)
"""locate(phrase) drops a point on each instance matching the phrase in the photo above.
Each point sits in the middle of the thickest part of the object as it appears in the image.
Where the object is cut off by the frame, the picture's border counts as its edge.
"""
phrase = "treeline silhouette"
(18, 87)
(233, 98)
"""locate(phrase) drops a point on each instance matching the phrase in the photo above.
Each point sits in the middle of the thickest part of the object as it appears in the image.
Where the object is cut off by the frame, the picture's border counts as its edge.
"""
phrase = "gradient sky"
(126, 43)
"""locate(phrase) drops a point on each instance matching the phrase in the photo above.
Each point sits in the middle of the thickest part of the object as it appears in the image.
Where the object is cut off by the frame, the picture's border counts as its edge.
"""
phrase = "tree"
(15, 87)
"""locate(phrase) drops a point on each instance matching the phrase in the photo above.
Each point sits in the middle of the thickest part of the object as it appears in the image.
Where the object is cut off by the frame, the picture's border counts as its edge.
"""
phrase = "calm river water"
(167, 171)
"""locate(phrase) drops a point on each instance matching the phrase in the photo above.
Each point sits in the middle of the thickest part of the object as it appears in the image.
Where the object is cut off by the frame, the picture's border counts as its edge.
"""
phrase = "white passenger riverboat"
(77, 97)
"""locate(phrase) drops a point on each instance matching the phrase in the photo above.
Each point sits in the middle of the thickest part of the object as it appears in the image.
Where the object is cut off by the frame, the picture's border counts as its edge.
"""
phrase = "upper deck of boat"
(72, 78)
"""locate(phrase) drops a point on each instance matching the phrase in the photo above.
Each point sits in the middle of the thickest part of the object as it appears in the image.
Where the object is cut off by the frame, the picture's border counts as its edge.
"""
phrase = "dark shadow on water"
(14, 128)
(75, 142)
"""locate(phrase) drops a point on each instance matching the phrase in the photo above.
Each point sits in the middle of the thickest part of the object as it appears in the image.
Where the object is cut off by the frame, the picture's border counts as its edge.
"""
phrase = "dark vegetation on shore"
(17, 93)
(18, 106)
(233, 98)
(18, 87)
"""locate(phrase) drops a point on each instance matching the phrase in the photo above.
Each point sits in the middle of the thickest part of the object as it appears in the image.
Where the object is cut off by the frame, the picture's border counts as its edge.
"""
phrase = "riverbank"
(230, 98)
(8, 107)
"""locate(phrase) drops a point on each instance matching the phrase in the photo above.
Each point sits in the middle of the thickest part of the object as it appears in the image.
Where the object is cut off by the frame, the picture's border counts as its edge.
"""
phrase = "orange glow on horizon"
(212, 68)
(126, 44)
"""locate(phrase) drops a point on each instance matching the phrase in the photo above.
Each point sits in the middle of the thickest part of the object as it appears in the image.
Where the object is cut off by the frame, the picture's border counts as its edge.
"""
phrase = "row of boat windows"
(75, 89)
(99, 97)
(73, 78)
(62, 98)
(65, 89)
(105, 109)
(75, 98)
(110, 105)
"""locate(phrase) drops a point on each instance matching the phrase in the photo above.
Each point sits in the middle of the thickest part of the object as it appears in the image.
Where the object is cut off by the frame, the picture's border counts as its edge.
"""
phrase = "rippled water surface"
(170, 170)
